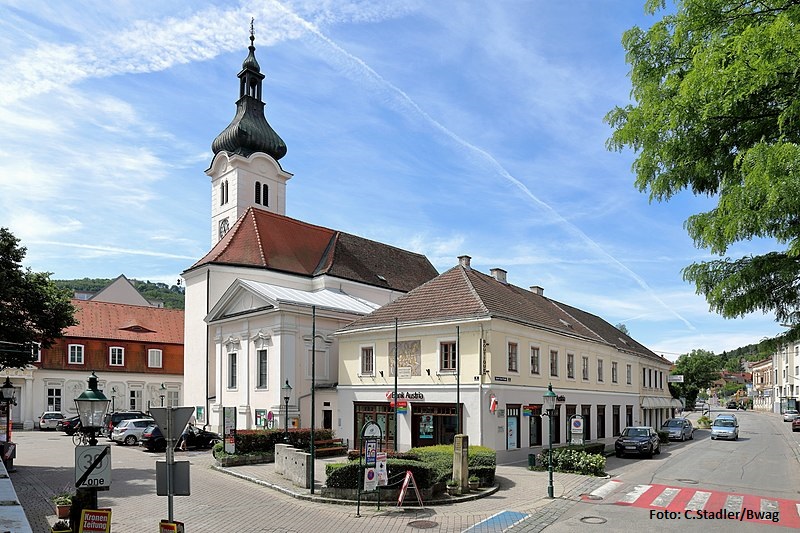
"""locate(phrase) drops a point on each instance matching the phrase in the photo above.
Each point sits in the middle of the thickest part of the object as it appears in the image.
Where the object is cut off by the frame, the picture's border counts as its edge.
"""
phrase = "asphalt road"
(763, 466)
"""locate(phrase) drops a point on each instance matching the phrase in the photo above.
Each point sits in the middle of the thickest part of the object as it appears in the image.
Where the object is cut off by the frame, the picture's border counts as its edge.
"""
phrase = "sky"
(448, 128)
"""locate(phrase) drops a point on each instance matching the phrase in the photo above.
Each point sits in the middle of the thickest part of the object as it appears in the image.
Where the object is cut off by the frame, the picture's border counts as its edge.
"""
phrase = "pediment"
(238, 301)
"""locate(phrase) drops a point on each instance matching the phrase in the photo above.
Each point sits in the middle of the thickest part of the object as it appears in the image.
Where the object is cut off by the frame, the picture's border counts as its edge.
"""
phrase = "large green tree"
(32, 308)
(716, 110)
(698, 368)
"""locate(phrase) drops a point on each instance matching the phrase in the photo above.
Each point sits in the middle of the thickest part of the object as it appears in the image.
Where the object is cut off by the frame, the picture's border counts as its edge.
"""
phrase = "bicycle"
(80, 439)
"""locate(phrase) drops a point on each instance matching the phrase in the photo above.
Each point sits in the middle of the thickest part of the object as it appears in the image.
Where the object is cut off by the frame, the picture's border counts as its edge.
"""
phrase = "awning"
(659, 402)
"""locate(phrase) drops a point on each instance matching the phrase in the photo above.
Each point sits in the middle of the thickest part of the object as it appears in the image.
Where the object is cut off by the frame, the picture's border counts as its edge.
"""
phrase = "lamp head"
(549, 398)
(8, 390)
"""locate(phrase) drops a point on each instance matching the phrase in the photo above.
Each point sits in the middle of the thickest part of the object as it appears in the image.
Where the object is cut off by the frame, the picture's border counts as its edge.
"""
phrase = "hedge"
(264, 440)
(347, 475)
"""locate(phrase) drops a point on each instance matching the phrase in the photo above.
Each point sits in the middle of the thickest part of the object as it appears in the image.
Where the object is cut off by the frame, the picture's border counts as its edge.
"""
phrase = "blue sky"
(445, 127)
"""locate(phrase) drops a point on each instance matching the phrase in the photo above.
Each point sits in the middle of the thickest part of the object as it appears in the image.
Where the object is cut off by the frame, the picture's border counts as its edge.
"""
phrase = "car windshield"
(727, 423)
(636, 432)
(674, 423)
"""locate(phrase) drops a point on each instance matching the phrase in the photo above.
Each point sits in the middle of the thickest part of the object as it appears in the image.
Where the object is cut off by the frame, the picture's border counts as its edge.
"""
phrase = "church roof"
(261, 239)
(121, 322)
(249, 132)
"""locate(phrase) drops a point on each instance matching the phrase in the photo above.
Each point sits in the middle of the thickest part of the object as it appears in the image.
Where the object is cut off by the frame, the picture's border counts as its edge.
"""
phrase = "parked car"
(678, 428)
(639, 440)
(112, 419)
(154, 441)
(790, 414)
(796, 424)
(50, 419)
(731, 405)
(69, 425)
(725, 427)
(130, 431)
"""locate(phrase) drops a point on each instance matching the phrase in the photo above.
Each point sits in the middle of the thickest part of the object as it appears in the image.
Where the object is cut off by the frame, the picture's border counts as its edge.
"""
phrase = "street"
(758, 473)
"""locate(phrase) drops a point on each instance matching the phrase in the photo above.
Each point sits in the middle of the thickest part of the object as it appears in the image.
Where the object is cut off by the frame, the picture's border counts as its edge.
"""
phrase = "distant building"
(763, 398)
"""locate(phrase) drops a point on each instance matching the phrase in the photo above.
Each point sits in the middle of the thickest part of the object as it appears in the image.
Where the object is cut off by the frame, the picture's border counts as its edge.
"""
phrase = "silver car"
(790, 414)
(724, 428)
(678, 428)
(130, 431)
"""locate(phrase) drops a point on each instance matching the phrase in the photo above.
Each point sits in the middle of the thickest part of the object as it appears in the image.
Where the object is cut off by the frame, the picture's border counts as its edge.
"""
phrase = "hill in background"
(172, 296)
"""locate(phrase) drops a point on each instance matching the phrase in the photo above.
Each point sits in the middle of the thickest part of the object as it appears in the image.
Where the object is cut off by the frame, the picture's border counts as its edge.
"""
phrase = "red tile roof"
(103, 320)
(463, 293)
(261, 239)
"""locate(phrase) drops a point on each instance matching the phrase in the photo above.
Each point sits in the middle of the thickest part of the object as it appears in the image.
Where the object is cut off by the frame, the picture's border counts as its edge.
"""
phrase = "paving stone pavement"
(254, 498)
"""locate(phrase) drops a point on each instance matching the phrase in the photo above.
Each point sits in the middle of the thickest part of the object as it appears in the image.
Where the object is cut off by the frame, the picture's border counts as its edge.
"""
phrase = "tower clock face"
(223, 227)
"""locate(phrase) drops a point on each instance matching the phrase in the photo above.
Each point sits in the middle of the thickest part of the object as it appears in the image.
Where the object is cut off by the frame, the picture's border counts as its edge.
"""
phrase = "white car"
(790, 415)
(130, 431)
(50, 419)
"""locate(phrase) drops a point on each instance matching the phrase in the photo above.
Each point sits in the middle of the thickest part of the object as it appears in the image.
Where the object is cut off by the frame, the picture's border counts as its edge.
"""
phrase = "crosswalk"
(701, 504)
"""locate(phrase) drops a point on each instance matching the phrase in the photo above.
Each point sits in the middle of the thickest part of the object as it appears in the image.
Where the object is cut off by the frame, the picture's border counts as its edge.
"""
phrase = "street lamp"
(8, 399)
(114, 392)
(92, 405)
(287, 394)
(163, 390)
(550, 407)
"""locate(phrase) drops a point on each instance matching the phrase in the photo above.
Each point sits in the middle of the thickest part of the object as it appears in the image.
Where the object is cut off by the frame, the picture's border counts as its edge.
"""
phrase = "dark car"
(112, 419)
(731, 405)
(639, 440)
(796, 424)
(69, 425)
(154, 441)
(678, 428)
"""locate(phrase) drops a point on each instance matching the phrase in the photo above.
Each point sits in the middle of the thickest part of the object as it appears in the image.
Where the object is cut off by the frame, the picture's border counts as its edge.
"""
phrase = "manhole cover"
(593, 520)
(591, 497)
(423, 524)
(688, 481)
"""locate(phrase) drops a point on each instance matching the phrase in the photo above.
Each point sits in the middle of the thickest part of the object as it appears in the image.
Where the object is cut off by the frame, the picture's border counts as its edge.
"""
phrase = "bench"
(330, 447)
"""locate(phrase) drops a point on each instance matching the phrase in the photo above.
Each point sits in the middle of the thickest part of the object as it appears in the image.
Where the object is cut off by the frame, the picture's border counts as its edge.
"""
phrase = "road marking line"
(605, 490)
(698, 501)
(665, 498)
(733, 503)
(769, 506)
(635, 494)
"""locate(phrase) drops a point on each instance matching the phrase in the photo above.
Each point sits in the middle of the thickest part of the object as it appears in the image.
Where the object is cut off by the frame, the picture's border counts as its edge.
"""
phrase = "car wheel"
(130, 440)
(658, 449)
(618, 454)
(683, 437)
(691, 435)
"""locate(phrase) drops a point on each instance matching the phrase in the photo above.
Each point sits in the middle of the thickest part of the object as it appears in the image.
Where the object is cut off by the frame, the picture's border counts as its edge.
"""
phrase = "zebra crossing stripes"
(693, 503)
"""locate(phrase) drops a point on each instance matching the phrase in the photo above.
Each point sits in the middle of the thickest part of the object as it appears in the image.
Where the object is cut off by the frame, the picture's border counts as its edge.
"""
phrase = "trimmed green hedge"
(264, 440)
(431, 465)
(577, 461)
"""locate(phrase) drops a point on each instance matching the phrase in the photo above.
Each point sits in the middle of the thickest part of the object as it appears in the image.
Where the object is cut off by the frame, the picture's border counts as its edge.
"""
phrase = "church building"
(262, 305)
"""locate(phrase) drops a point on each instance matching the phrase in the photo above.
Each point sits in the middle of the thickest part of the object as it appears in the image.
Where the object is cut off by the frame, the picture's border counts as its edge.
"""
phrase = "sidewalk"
(517, 490)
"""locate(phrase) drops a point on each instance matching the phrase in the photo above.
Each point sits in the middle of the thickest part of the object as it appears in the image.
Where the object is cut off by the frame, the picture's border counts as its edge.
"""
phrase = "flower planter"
(452, 491)
(474, 485)
(62, 511)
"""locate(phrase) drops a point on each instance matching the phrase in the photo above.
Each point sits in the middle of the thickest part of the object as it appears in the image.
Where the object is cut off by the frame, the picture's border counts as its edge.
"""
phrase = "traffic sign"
(92, 466)
(171, 420)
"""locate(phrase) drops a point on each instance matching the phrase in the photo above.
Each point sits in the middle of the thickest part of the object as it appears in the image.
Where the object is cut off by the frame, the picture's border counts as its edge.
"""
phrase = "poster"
(426, 427)
(229, 424)
(261, 418)
(512, 432)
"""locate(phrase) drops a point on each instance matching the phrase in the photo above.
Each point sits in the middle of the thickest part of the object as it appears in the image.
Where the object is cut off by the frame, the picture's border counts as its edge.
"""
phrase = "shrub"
(579, 462)
(593, 447)
(663, 436)
(704, 422)
(348, 475)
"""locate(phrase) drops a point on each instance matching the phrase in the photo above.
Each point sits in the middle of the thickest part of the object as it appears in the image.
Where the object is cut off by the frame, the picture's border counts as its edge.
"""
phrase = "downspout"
(208, 330)
(480, 387)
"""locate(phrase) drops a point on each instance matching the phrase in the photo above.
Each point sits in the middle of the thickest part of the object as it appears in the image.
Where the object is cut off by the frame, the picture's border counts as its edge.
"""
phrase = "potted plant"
(62, 526)
(63, 502)
(452, 487)
(474, 482)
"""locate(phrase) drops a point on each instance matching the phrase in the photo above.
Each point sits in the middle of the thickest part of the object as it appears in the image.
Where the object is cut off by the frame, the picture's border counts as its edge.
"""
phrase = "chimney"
(463, 260)
(499, 274)
(535, 289)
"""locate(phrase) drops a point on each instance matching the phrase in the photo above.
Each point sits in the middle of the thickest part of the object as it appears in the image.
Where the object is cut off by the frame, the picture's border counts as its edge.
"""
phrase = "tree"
(699, 368)
(32, 308)
(623, 328)
(716, 111)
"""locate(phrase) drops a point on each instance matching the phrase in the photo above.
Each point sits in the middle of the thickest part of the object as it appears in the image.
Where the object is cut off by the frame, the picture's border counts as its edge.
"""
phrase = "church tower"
(245, 171)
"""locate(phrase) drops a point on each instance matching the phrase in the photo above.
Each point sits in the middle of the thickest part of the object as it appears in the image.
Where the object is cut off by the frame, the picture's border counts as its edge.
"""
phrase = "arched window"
(265, 195)
(258, 192)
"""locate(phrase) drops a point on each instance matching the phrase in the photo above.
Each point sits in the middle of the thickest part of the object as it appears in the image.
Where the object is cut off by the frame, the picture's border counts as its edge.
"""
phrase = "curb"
(322, 499)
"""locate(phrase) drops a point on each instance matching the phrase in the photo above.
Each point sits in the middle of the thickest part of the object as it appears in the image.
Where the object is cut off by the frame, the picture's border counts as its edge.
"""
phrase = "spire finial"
(252, 31)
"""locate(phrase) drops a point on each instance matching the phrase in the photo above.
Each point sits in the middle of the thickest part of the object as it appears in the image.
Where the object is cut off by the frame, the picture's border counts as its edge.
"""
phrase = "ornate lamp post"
(287, 394)
(8, 399)
(550, 407)
(114, 392)
(162, 389)
(92, 405)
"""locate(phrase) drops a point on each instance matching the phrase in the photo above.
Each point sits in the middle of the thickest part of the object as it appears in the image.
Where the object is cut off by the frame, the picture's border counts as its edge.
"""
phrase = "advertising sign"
(170, 527)
(380, 469)
(229, 422)
(95, 521)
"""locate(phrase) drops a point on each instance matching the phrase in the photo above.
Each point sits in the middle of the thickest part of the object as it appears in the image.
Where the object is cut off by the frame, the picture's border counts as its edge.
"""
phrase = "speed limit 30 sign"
(92, 466)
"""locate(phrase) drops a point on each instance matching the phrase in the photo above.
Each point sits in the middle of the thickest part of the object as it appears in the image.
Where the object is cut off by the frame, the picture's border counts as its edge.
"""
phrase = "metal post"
(313, 384)
(92, 490)
(458, 379)
(550, 491)
(395, 385)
